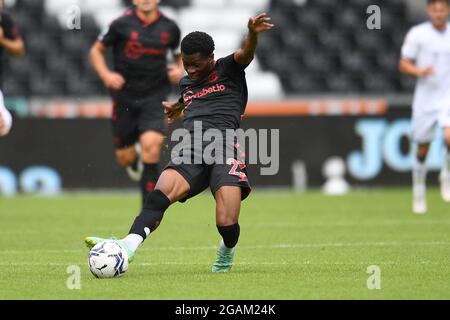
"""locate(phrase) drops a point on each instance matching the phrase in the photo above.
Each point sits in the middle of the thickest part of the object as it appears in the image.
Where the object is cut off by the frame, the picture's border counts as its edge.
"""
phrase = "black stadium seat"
(14, 87)
(342, 83)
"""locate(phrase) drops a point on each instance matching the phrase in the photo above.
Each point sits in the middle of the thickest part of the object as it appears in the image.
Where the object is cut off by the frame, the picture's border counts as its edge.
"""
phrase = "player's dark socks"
(230, 234)
(151, 215)
(148, 181)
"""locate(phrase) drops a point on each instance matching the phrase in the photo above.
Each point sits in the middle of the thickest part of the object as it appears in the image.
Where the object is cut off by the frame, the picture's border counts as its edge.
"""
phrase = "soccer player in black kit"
(140, 40)
(214, 93)
(12, 43)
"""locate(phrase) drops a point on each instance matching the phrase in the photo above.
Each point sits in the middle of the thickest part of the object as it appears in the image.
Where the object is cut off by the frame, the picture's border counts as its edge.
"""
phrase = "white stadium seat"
(254, 67)
(226, 41)
(105, 17)
(97, 6)
(191, 19)
(58, 7)
(264, 86)
(220, 54)
(215, 4)
(235, 19)
(254, 4)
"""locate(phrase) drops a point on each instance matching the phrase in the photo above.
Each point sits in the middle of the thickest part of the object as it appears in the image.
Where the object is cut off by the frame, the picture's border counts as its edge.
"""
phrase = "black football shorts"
(231, 170)
(133, 116)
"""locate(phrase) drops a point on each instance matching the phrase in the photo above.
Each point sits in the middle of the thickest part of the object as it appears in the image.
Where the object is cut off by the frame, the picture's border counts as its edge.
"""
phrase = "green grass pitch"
(292, 246)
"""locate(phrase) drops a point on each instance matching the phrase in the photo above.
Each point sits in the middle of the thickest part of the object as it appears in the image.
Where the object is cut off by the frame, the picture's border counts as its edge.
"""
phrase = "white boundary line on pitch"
(276, 246)
(169, 263)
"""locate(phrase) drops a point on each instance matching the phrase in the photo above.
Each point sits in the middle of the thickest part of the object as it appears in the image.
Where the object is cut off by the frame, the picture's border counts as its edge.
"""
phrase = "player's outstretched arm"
(14, 47)
(111, 80)
(408, 67)
(256, 25)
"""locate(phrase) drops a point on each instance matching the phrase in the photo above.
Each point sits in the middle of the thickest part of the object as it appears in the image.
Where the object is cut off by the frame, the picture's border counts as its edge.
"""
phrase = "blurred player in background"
(215, 94)
(140, 81)
(12, 43)
(426, 55)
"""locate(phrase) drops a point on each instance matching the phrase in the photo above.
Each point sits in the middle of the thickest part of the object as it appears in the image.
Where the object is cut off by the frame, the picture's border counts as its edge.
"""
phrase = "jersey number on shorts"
(235, 166)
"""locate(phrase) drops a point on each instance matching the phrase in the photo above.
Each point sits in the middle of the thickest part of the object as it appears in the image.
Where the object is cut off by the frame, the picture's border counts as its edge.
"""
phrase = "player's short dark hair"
(437, 1)
(197, 41)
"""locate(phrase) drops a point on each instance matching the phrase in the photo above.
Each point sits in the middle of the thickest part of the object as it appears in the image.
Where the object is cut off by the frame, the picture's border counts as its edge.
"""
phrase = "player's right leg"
(445, 172)
(151, 142)
(171, 187)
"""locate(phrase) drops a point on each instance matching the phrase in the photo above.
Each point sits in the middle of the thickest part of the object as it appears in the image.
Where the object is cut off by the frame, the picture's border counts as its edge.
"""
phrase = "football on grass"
(108, 259)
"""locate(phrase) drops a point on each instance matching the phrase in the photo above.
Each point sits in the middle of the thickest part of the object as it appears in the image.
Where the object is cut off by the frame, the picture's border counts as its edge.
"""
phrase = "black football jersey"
(219, 100)
(140, 51)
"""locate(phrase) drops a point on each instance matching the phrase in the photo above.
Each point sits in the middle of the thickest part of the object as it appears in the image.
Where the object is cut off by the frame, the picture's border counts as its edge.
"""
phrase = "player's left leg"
(171, 187)
(228, 205)
(419, 177)
(151, 142)
(445, 172)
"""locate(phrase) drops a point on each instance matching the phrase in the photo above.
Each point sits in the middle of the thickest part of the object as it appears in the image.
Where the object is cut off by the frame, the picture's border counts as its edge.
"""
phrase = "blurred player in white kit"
(426, 55)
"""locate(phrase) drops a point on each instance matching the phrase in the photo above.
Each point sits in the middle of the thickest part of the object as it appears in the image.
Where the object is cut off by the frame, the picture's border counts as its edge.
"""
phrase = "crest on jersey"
(213, 76)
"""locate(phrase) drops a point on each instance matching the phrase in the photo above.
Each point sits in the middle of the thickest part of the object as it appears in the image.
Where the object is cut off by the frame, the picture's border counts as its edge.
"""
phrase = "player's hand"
(175, 73)
(426, 72)
(173, 110)
(259, 23)
(114, 81)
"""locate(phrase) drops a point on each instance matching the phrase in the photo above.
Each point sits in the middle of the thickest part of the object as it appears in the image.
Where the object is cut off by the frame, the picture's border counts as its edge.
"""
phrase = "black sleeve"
(9, 28)
(110, 36)
(231, 67)
(175, 39)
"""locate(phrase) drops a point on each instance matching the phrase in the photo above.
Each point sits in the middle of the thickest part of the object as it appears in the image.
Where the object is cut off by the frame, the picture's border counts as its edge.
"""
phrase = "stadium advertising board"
(370, 140)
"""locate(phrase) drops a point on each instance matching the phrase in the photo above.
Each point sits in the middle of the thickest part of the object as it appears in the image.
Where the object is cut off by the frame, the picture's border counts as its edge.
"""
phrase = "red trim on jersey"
(146, 22)
(150, 186)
